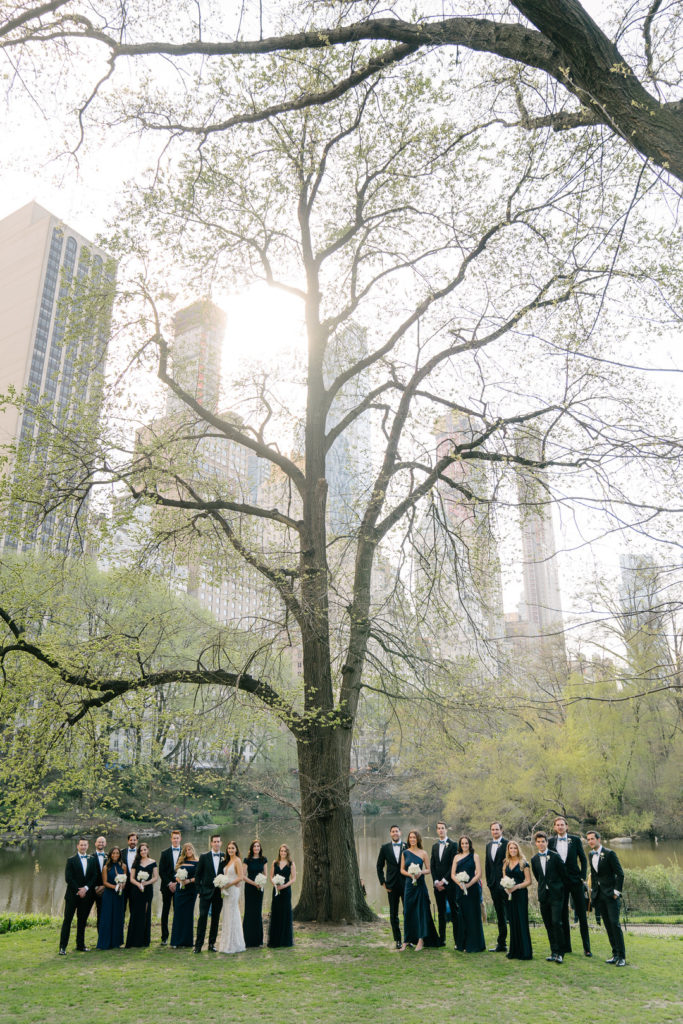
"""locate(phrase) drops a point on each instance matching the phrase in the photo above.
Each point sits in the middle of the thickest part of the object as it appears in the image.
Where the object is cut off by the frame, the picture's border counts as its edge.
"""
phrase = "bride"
(232, 938)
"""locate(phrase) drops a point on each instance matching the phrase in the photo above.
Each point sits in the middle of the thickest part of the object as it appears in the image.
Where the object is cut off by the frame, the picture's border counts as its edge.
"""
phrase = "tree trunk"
(331, 886)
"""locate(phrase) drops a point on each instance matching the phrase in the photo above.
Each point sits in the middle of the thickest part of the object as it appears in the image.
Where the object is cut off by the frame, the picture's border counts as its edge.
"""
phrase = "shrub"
(20, 922)
(656, 888)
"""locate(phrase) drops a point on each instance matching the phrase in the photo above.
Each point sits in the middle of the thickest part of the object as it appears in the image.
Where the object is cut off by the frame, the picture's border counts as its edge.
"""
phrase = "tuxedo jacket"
(166, 868)
(494, 868)
(100, 866)
(206, 873)
(441, 868)
(576, 864)
(388, 868)
(608, 877)
(76, 879)
(551, 882)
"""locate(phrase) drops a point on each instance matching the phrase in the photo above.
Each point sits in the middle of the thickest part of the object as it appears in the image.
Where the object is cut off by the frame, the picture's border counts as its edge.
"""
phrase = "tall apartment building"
(56, 290)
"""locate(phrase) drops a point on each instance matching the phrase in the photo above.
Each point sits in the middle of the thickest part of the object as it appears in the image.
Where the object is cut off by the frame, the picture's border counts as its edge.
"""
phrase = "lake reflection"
(32, 881)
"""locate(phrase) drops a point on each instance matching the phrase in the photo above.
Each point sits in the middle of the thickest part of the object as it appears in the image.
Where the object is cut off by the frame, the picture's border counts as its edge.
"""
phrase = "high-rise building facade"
(56, 290)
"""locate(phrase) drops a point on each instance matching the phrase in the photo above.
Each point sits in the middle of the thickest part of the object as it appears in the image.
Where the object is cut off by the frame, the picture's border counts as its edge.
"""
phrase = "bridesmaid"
(516, 868)
(281, 932)
(470, 933)
(184, 898)
(255, 863)
(143, 875)
(418, 924)
(110, 932)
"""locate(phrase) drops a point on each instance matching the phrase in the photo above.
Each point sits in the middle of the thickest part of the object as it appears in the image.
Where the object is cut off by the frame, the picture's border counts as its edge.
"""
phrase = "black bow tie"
(543, 855)
(442, 842)
(563, 839)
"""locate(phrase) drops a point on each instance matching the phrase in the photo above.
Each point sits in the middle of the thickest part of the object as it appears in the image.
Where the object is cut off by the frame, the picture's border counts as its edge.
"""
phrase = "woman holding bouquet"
(184, 898)
(517, 870)
(232, 939)
(255, 864)
(282, 875)
(143, 875)
(110, 932)
(466, 874)
(418, 924)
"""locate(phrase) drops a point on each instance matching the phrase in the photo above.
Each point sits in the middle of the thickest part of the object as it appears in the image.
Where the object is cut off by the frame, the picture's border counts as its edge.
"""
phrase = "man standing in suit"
(440, 862)
(80, 875)
(551, 876)
(495, 855)
(571, 851)
(389, 862)
(167, 866)
(607, 885)
(210, 898)
(100, 857)
(128, 857)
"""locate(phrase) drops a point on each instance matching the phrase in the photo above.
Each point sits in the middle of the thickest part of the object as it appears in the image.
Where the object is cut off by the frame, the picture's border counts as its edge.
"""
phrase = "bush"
(656, 888)
(20, 922)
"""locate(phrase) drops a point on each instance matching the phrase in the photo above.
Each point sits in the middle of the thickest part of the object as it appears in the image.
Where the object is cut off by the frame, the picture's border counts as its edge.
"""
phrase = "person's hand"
(387, 887)
(83, 891)
(172, 886)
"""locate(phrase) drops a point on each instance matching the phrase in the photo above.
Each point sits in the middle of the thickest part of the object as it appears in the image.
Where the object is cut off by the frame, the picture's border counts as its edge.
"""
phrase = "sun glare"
(262, 324)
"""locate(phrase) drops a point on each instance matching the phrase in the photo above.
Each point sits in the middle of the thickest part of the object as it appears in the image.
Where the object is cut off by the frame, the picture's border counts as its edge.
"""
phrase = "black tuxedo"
(128, 888)
(76, 878)
(551, 885)
(576, 867)
(608, 879)
(389, 874)
(494, 873)
(167, 875)
(209, 897)
(440, 868)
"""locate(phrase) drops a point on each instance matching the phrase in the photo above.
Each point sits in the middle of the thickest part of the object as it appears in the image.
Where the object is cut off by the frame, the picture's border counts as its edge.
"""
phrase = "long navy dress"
(140, 920)
(520, 939)
(110, 932)
(182, 933)
(281, 931)
(418, 922)
(252, 923)
(470, 932)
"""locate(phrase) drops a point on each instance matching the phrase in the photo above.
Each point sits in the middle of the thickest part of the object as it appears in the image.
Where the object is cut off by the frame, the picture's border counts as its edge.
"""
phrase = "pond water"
(32, 878)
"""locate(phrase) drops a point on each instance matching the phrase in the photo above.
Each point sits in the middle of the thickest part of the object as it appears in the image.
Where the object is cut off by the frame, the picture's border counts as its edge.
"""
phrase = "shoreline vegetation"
(348, 972)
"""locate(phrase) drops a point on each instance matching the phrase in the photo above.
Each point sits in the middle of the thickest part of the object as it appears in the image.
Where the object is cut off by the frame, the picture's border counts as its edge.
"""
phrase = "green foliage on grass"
(21, 922)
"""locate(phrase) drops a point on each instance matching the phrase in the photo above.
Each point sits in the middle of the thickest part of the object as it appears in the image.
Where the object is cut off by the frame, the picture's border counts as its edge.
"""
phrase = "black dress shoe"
(587, 952)
(498, 949)
(164, 942)
(551, 958)
(612, 960)
(398, 944)
(196, 950)
(212, 949)
(620, 963)
(62, 952)
(559, 959)
(82, 949)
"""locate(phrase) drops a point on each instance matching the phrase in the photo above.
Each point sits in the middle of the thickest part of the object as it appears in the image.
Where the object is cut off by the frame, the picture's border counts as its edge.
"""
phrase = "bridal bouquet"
(260, 880)
(220, 880)
(278, 880)
(181, 876)
(143, 876)
(507, 883)
(120, 881)
(461, 878)
(414, 870)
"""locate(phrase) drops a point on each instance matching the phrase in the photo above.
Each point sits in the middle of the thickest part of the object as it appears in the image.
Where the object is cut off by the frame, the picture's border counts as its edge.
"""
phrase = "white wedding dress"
(232, 937)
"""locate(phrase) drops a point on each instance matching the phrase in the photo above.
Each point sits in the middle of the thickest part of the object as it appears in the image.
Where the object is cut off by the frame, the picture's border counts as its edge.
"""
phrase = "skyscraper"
(55, 315)
(198, 333)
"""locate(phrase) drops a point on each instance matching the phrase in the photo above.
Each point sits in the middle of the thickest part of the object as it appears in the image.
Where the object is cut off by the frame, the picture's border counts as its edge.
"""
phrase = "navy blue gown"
(520, 938)
(110, 933)
(140, 920)
(418, 922)
(470, 931)
(281, 930)
(252, 923)
(184, 899)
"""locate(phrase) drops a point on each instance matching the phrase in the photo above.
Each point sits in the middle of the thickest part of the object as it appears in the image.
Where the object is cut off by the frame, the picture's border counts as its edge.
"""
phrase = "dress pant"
(500, 903)
(81, 907)
(551, 912)
(214, 903)
(166, 904)
(395, 896)
(609, 911)
(441, 897)
(575, 890)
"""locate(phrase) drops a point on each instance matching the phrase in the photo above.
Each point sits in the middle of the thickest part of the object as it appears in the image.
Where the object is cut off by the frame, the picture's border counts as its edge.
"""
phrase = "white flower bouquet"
(181, 877)
(278, 880)
(260, 880)
(143, 876)
(415, 871)
(119, 881)
(461, 878)
(507, 883)
(220, 881)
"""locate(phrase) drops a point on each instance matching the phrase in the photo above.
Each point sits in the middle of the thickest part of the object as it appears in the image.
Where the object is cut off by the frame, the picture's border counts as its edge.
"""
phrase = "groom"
(210, 864)
(390, 860)
(440, 863)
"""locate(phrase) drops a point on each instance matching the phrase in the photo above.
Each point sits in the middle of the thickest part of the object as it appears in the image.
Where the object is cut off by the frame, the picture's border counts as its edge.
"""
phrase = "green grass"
(335, 974)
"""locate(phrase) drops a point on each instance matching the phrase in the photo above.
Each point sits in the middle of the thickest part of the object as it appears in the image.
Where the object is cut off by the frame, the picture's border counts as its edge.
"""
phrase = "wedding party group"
(123, 880)
(559, 866)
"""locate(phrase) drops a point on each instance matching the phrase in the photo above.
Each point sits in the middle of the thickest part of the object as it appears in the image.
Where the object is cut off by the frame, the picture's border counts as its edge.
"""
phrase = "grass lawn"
(344, 974)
